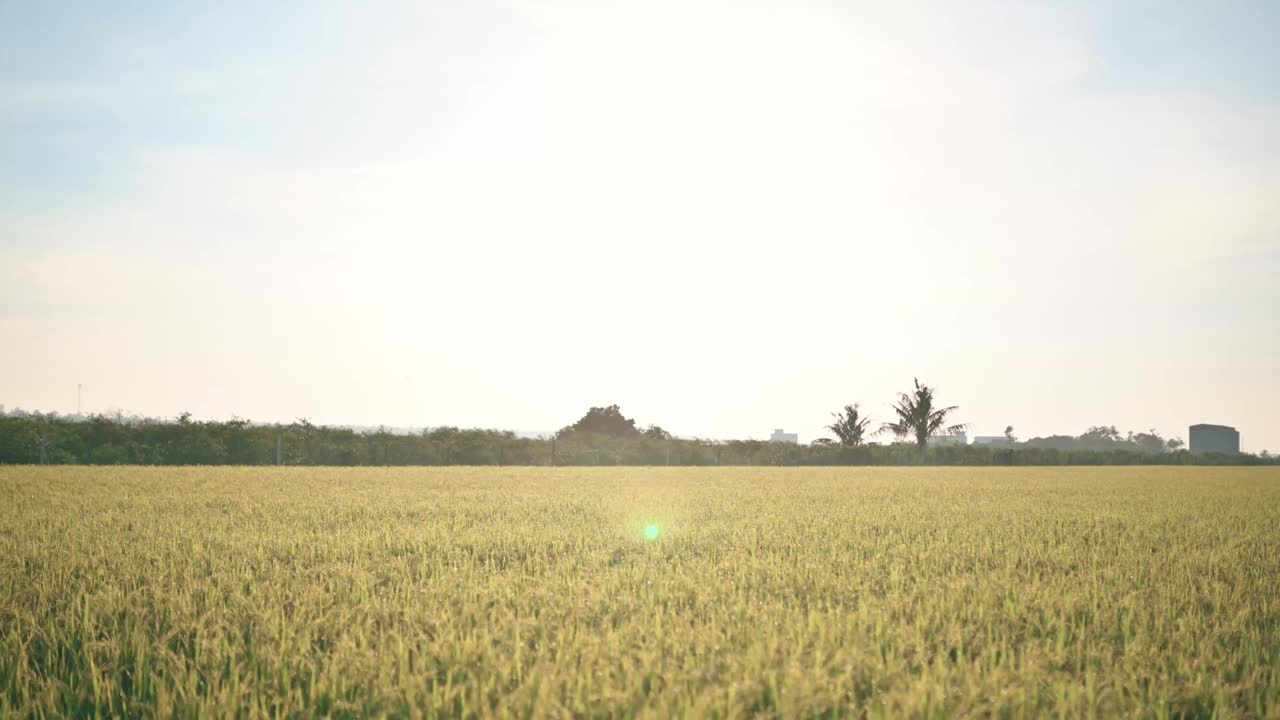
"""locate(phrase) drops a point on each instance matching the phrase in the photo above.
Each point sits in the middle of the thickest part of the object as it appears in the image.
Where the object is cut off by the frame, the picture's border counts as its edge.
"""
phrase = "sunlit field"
(456, 592)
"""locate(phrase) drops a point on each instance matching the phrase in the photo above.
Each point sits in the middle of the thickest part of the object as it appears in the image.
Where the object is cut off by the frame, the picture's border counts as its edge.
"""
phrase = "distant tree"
(604, 421)
(1055, 442)
(1148, 442)
(1101, 434)
(1008, 434)
(1174, 444)
(918, 418)
(441, 432)
(653, 431)
(849, 427)
(823, 442)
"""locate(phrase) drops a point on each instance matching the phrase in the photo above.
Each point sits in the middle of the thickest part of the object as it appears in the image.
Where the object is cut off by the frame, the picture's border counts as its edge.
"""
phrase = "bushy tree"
(1101, 435)
(604, 421)
(918, 418)
(1148, 442)
(657, 433)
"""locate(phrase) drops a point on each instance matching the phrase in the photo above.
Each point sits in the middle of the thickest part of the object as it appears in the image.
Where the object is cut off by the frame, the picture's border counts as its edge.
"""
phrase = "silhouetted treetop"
(850, 427)
(657, 432)
(604, 421)
(1101, 434)
(918, 417)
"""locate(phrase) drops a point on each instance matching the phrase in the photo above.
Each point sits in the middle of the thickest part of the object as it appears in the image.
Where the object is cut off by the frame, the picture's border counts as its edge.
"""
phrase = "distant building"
(991, 440)
(784, 437)
(940, 440)
(1215, 439)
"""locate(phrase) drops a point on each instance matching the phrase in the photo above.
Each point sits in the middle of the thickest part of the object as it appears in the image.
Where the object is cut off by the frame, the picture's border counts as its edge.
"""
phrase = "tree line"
(603, 436)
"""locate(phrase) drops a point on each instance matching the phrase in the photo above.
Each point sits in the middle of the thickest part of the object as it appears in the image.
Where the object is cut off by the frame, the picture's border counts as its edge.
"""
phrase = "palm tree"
(917, 416)
(848, 426)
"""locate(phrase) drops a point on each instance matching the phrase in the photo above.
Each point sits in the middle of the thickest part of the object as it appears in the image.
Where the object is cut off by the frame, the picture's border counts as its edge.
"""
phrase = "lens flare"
(652, 532)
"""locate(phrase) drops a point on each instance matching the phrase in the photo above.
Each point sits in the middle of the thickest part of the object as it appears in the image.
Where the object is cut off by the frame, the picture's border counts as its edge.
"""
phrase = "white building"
(784, 437)
(992, 440)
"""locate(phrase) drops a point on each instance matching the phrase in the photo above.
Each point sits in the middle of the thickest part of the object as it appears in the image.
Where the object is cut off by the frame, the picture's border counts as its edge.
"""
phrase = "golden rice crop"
(469, 592)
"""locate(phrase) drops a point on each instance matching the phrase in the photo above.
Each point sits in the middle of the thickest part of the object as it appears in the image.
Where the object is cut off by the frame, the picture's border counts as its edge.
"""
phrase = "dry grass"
(927, 592)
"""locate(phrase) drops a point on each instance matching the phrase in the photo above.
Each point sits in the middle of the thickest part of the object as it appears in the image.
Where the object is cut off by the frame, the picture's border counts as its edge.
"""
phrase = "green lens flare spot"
(652, 532)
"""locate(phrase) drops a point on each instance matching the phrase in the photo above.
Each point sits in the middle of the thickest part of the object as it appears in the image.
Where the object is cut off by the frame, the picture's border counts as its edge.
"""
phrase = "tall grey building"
(1215, 439)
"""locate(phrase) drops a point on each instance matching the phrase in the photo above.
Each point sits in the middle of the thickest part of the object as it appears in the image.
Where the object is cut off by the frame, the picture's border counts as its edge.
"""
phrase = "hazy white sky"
(725, 216)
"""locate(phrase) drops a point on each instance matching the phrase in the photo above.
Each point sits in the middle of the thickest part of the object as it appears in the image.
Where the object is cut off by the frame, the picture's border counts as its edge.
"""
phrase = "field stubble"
(891, 592)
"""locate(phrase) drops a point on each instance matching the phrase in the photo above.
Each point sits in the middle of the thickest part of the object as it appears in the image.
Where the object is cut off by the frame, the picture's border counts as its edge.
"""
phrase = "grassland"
(929, 592)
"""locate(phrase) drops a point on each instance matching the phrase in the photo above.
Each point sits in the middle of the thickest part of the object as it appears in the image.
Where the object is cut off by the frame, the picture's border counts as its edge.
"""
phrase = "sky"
(726, 217)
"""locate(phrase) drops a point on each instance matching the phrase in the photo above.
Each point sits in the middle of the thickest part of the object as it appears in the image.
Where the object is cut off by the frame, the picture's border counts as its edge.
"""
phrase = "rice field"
(640, 592)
